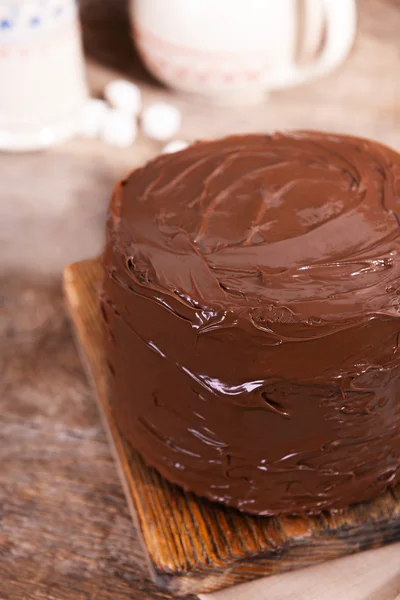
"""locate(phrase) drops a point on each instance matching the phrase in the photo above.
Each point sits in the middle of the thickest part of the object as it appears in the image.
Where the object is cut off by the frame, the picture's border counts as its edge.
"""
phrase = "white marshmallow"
(161, 121)
(92, 117)
(175, 146)
(124, 95)
(119, 128)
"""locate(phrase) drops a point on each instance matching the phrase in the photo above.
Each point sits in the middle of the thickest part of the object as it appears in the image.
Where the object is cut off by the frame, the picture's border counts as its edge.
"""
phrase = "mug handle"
(340, 18)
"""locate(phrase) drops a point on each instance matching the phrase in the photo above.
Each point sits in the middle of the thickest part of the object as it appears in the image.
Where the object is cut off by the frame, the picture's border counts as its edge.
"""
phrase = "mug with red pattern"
(233, 51)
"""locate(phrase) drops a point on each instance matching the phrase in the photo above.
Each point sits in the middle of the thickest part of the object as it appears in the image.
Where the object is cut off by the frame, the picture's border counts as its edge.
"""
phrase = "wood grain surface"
(195, 546)
(65, 529)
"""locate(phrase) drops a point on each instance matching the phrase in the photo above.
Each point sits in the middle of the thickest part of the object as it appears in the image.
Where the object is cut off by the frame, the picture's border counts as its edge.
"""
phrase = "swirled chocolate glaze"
(252, 308)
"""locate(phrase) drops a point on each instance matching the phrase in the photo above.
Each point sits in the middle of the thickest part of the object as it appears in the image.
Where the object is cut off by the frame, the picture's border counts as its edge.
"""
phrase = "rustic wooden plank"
(65, 528)
(197, 546)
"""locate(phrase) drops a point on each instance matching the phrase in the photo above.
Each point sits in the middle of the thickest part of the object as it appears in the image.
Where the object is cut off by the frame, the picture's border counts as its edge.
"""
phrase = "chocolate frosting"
(252, 308)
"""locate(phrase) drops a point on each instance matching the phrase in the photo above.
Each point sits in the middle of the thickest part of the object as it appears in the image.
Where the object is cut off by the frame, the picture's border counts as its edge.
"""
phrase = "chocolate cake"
(252, 309)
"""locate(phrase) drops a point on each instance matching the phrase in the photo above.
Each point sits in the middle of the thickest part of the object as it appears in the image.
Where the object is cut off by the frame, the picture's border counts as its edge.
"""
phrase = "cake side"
(251, 307)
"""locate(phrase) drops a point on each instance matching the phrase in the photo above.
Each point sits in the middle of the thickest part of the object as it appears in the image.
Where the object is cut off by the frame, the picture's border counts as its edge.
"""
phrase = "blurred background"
(65, 530)
(58, 198)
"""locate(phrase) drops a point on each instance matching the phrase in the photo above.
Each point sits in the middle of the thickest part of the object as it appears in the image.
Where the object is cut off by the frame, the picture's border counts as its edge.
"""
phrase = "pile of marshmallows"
(114, 120)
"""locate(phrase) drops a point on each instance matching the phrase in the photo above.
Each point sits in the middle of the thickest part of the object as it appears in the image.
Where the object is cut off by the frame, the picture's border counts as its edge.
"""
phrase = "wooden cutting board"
(196, 546)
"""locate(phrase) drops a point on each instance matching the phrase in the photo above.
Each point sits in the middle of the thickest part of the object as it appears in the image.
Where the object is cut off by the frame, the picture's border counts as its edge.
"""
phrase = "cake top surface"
(295, 226)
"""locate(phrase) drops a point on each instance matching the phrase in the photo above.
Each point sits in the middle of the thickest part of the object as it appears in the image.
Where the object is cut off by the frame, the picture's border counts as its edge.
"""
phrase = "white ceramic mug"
(42, 77)
(232, 51)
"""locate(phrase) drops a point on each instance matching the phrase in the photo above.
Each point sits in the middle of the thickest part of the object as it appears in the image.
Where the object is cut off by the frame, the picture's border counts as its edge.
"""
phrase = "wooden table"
(65, 531)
